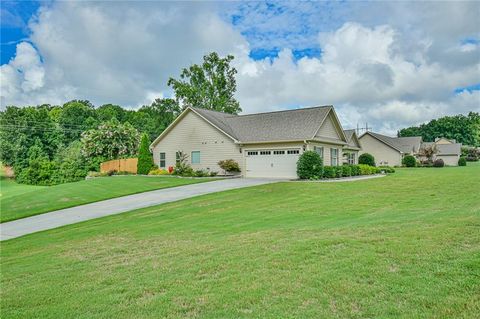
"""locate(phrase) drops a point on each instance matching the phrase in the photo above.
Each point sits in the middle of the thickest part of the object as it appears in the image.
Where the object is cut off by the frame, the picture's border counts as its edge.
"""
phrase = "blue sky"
(14, 18)
(391, 70)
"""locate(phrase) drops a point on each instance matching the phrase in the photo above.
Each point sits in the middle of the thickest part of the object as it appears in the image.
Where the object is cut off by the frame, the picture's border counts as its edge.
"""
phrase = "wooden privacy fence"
(120, 165)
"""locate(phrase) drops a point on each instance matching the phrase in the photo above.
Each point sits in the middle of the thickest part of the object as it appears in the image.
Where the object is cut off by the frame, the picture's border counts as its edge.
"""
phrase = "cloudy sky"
(391, 64)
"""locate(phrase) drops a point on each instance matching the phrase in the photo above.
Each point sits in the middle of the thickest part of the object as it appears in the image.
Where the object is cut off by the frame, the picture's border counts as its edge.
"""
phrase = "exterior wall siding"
(326, 152)
(450, 160)
(384, 154)
(328, 129)
(192, 133)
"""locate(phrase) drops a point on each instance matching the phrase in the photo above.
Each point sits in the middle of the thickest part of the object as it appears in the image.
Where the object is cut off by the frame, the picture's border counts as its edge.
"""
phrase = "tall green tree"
(211, 85)
(464, 129)
(145, 159)
(76, 117)
(153, 119)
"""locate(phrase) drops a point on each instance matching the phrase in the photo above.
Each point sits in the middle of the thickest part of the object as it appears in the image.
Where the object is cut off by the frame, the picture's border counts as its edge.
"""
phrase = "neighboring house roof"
(446, 149)
(443, 140)
(280, 126)
(352, 139)
(401, 144)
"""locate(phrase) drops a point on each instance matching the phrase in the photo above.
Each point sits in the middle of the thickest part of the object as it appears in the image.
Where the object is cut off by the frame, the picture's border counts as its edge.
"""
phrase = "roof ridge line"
(291, 110)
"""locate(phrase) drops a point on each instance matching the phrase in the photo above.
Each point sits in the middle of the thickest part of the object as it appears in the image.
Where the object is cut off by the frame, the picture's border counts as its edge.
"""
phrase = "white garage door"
(278, 163)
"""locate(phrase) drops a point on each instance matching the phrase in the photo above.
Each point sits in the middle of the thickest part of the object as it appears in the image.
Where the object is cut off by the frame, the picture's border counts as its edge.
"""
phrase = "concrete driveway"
(119, 205)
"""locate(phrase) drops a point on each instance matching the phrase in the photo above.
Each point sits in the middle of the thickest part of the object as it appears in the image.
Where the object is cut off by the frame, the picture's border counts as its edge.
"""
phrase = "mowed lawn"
(403, 246)
(19, 201)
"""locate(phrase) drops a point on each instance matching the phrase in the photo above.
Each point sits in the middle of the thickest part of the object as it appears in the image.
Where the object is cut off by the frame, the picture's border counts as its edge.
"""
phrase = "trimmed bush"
(229, 165)
(385, 169)
(462, 161)
(438, 163)
(367, 169)
(310, 165)
(329, 172)
(346, 171)
(355, 170)
(158, 171)
(366, 159)
(145, 158)
(409, 161)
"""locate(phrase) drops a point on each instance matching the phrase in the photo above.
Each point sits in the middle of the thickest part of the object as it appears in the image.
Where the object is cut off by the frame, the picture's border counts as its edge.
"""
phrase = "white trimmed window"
(319, 150)
(334, 157)
(195, 157)
(163, 157)
(293, 152)
(351, 158)
(278, 152)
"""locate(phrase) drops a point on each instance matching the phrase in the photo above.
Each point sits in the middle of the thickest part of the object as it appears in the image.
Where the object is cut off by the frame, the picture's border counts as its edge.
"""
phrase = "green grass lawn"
(403, 246)
(19, 201)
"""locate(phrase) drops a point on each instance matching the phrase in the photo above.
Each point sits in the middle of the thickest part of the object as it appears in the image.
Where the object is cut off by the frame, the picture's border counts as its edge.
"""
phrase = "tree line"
(50, 144)
(464, 129)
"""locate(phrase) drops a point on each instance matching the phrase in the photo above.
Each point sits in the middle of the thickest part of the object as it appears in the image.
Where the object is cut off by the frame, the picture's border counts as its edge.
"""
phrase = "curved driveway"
(119, 205)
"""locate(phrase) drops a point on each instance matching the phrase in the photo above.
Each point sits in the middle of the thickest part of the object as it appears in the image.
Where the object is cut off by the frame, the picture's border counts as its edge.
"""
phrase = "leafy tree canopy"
(464, 129)
(110, 140)
(211, 85)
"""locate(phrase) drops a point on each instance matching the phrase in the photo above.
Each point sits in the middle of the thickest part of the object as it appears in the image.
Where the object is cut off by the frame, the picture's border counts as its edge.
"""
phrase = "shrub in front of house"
(338, 171)
(439, 163)
(309, 165)
(367, 169)
(355, 170)
(145, 158)
(346, 170)
(329, 172)
(204, 173)
(462, 161)
(409, 161)
(229, 166)
(366, 159)
(158, 171)
(385, 169)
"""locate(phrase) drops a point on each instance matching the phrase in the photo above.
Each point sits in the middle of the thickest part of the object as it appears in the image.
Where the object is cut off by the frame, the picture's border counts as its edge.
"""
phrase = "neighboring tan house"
(389, 151)
(447, 150)
(263, 144)
(350, 151)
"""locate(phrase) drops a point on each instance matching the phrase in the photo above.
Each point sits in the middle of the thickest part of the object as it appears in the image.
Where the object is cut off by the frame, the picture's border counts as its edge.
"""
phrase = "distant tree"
(145, 159)
(111, 140)
(464, 129)
(76, 116)
(108, 112)
(153, 119)
(428, 151)
(211, 85)
(20, 128)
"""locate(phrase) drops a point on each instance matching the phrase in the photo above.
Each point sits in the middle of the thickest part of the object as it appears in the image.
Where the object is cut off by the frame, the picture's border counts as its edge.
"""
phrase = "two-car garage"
(272, 163)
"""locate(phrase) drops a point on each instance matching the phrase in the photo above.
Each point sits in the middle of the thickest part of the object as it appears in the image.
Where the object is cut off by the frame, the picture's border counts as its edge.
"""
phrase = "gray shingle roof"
(298, 124)
(403, 144)
(350, 141)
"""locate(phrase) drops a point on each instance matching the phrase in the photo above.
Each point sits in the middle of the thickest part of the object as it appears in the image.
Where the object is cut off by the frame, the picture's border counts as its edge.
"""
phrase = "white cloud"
(386, 74)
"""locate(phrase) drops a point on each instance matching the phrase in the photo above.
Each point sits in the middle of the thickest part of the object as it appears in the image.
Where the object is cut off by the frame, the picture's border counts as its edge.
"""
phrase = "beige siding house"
(389, 151)
(447, 150)
(264, 144)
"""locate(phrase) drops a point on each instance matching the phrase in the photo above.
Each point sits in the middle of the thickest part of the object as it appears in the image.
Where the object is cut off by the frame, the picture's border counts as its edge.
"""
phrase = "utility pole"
(363, 129)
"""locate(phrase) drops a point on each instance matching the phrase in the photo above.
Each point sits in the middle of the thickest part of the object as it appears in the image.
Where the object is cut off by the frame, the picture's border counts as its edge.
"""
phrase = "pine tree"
(145, 159)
